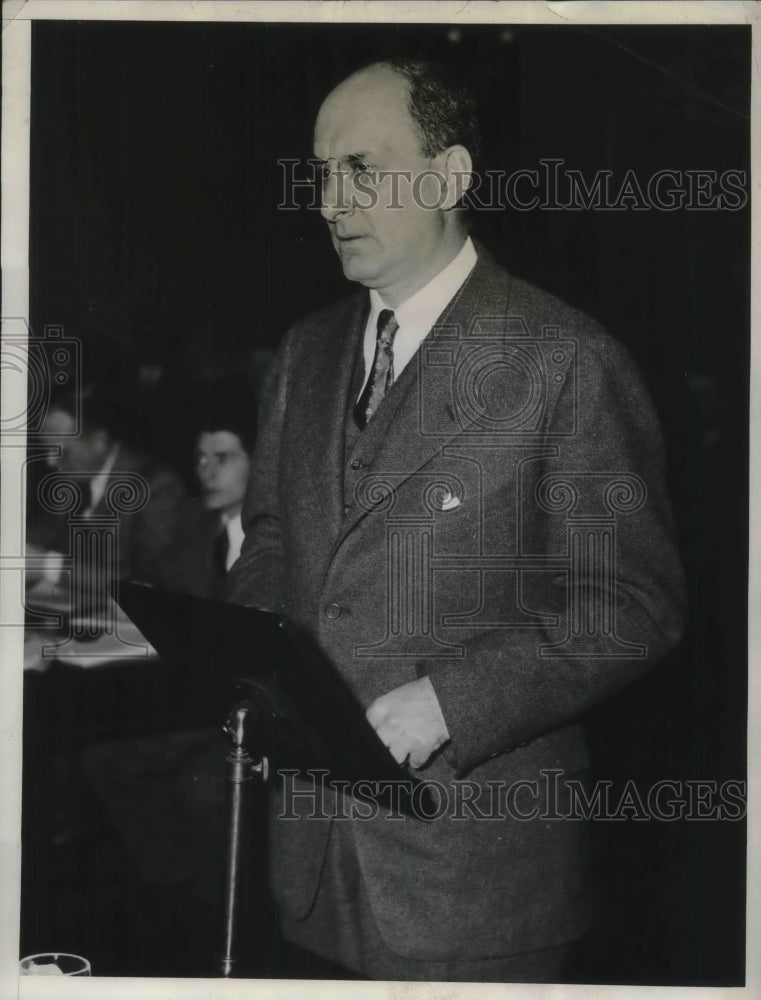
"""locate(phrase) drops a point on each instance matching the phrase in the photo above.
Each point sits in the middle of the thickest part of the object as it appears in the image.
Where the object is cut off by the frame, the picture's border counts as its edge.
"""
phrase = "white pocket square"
(450, 502)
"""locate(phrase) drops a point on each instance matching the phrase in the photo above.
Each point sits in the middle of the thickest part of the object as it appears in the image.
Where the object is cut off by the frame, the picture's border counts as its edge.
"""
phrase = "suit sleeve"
(507, 692)
(256, 579)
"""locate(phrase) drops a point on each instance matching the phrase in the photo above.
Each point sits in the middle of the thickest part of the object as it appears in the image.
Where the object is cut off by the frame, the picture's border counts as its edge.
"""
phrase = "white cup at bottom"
(54, 963)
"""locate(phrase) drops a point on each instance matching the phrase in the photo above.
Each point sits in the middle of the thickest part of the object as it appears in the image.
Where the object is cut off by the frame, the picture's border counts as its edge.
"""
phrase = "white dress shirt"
(418, 313)
(99, 481)
(235, 536)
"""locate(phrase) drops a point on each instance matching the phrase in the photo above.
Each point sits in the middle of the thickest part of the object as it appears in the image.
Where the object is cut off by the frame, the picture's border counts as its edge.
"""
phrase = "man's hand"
(409, 721)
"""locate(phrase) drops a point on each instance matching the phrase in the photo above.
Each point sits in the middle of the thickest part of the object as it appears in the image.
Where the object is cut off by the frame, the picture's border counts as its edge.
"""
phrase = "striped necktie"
(382, 374)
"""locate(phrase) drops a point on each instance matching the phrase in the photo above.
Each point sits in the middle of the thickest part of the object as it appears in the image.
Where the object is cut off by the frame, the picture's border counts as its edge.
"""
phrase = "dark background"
(154, 220)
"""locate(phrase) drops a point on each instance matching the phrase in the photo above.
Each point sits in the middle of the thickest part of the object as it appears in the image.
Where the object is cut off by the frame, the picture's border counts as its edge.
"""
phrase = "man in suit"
(210, 533)
(92, 458)
(458, 490)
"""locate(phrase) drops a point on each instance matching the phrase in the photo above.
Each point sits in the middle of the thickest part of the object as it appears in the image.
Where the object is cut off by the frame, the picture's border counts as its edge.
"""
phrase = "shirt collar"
(417, 315)
(427, 304)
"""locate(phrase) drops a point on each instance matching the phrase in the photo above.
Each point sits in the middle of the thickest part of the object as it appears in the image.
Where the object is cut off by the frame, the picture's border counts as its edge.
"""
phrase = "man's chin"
(361, 271)
(356, 259)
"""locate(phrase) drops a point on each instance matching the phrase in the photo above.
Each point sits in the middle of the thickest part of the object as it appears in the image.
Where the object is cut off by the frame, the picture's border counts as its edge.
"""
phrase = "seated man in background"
(165, 793)
(210, 534)
(95, 478)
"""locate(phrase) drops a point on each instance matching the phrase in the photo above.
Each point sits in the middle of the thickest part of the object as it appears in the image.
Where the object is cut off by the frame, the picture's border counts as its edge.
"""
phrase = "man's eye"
(351, 171)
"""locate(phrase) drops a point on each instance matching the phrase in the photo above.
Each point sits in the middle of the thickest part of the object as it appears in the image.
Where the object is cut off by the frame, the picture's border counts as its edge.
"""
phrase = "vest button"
(333, 611)
(357, 463)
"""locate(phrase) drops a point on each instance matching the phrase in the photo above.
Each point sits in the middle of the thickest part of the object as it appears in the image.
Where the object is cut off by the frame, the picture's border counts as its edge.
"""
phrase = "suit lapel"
(418, 418)
(323, 395)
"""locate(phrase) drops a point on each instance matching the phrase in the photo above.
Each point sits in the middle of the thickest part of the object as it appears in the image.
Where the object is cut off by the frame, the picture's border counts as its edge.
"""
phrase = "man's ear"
(457, 168)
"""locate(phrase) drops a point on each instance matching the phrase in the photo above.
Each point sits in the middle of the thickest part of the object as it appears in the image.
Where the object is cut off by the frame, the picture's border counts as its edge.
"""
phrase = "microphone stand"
(241, 771)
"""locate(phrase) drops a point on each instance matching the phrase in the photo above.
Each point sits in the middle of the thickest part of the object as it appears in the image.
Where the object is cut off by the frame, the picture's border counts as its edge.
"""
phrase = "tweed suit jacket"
(489, 460)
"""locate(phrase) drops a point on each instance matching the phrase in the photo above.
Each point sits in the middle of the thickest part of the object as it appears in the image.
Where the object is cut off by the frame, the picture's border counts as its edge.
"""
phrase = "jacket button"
(357, 463)
(333, 611)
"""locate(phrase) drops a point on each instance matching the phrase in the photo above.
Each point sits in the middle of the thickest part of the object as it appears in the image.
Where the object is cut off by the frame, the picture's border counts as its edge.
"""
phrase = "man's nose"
(207, 472)
(335, 197)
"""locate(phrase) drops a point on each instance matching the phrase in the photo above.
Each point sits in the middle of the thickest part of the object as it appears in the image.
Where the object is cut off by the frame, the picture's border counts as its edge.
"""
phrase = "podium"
(298, 710)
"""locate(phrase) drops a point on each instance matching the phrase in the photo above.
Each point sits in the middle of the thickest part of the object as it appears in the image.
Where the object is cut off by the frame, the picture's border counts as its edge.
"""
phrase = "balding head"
(390, 205)
(376, 94)
(443, 111)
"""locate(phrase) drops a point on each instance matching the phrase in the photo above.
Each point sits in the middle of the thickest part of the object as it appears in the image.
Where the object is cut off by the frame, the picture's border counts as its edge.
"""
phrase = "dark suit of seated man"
(458, 489)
